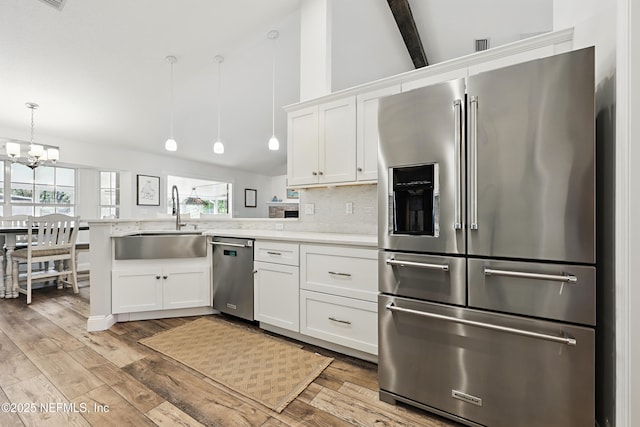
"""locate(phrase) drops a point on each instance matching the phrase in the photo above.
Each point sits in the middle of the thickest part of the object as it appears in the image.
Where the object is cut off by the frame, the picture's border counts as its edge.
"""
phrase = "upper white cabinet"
(302, 146)
(367, 132)
(322, 143)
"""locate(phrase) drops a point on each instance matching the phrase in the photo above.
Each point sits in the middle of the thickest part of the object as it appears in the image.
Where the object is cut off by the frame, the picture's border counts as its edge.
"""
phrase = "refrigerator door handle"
(473, 121)
(457, 121)
(568, 278)
(392, 262)
(553, 338)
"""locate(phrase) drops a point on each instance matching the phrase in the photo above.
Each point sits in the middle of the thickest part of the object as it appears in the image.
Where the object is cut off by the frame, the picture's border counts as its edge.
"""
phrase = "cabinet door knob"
(315, 173)
(164, 277)
(320, 173)
(359, 169)
(158, 277)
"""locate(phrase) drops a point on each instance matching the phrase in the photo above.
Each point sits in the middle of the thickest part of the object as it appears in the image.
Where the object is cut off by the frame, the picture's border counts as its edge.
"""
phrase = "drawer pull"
(274, 253)
(569, 278)
(333, 319)
(393, 261)
(562, 340)
(339, 274)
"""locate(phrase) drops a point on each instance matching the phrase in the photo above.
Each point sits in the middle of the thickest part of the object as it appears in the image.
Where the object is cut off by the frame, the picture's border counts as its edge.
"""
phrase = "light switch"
(349, 208)
(309, 209)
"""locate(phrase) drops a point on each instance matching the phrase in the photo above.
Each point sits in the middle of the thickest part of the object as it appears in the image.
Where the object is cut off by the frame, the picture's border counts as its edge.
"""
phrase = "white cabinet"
(139, 286)
(339, 270)
(367, 132)
(345, 321)
(276, 295)
(276, 279)
(321, 143)
(302, 146)
(338, 296)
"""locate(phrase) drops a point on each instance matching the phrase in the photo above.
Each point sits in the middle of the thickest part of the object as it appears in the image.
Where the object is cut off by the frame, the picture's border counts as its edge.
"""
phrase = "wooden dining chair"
(49, 238)
(17, 221)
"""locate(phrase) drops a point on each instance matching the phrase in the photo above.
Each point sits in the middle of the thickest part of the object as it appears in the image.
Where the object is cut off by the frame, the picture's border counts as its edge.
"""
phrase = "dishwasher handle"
(235, 245)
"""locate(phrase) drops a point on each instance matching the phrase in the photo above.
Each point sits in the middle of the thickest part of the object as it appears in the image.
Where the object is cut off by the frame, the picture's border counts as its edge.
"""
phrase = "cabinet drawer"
(344, 321)
(348, 272)
(276, 252)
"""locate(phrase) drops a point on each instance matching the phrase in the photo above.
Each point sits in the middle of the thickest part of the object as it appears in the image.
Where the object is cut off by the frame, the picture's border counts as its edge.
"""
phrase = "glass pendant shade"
(53, 154)
(171, 145)
(218, 147)
(36, 150)
(274, 144)
(13, 149)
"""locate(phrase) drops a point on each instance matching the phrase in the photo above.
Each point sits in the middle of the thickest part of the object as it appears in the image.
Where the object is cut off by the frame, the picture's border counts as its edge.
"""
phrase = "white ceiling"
(98, 69)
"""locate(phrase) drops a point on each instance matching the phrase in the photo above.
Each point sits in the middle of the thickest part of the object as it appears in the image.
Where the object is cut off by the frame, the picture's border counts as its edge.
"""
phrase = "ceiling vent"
(482, 44)
(57, 4)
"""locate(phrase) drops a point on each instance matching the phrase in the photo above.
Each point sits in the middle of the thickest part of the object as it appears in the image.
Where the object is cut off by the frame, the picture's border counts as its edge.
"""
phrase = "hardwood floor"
(55, 373)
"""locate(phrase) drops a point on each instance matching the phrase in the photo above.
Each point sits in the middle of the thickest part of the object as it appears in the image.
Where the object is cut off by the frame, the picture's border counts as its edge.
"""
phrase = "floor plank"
(134, 392)
(15, 367)
(69, 376)
(168, 415)
(8, 418)
(191, 394)
(105, 407)
(48, 404)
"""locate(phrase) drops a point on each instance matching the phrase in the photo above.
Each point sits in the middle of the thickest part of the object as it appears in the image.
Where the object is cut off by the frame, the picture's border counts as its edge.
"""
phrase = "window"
(109, 195)
(41, 191)
(198, 196)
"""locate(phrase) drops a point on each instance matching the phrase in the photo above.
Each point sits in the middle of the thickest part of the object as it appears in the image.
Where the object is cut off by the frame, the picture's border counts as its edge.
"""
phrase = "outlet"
(349, 208)
(309, 209)
(279, 226)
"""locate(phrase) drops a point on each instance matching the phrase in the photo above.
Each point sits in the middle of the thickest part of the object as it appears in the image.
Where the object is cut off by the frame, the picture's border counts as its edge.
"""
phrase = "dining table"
(7, 290)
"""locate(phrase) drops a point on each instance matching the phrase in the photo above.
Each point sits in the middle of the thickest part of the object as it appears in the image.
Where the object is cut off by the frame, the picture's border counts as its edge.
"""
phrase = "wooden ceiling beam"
(407, 26)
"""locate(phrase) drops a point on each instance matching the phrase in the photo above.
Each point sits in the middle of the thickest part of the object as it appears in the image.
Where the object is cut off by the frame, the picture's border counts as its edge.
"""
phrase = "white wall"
(610, 27)
(367, 44)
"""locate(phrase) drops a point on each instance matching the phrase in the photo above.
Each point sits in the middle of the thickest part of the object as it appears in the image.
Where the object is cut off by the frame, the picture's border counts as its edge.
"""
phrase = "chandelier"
(36, 154)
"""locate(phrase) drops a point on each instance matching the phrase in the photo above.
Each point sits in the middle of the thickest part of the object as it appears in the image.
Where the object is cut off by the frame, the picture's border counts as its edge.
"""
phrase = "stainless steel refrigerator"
(487, 245)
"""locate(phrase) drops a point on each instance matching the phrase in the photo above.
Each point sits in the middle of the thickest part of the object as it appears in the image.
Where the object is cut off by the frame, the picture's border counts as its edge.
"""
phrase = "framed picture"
(250, 196)
(292, 194)
(148, 190)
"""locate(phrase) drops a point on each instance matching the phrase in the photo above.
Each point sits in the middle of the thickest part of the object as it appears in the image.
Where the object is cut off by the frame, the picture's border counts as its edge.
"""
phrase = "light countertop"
(299, 236)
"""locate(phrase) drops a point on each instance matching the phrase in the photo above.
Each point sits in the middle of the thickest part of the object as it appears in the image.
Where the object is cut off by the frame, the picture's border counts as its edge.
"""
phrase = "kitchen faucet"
(175, 199)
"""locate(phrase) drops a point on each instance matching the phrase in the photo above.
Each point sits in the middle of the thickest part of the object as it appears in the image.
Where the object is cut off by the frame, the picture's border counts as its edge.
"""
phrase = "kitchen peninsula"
(328, 273)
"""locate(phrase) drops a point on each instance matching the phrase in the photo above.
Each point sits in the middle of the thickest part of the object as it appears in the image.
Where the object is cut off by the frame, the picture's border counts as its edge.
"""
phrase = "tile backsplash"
(330, 207)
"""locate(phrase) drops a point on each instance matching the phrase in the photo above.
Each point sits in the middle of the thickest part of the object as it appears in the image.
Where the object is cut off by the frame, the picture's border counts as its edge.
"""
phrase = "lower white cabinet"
(276, 295)
(338, 295)
(275, 284)
(139, 286)
(345, 321)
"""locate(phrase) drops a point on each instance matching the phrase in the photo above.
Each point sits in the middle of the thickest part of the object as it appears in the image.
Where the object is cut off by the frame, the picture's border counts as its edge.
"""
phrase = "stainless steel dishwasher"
(233, 276)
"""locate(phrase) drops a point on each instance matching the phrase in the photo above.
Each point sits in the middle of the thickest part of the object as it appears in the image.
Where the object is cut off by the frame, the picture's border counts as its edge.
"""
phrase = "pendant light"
(171, 144)
(274, 144)
(37, 154)
(218, 146)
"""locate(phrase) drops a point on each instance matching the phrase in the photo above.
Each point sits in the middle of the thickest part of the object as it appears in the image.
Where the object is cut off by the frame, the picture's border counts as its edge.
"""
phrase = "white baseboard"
(100, 323)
